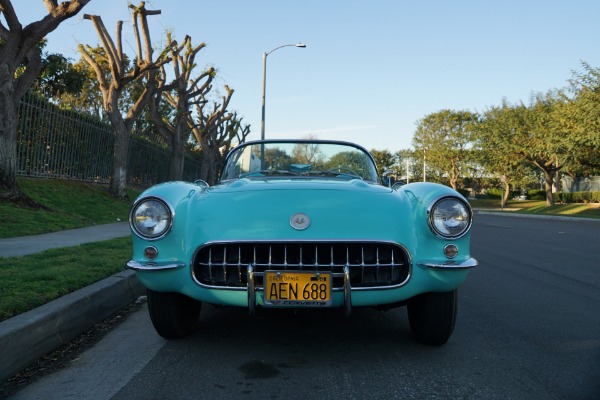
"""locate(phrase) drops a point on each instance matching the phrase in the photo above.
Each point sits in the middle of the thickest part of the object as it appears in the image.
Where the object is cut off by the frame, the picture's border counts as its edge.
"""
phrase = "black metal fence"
(57, 143)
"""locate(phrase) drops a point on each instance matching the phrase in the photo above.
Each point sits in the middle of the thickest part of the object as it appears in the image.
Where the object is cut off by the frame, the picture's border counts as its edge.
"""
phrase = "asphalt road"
(528, 328)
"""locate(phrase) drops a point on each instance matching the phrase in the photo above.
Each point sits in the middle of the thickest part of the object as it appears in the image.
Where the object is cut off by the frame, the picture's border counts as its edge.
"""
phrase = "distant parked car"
(302, 224)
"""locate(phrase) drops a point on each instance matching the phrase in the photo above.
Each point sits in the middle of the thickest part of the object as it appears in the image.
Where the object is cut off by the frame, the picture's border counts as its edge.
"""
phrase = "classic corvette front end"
(304, 224)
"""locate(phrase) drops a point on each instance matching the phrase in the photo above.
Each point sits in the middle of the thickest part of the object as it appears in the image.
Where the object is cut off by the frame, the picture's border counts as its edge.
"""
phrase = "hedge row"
(577, 197)
(496, 193)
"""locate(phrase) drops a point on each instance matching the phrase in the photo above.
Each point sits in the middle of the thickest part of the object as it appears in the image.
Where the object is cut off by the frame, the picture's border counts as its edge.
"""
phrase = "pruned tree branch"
(11, 17)
(116, 77)
(140, 13)
(34, 64)
(115, 62)
(180, 95)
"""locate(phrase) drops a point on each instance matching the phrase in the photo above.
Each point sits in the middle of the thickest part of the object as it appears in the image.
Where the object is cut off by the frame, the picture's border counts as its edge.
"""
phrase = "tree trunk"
(118, 181)
(9, 187)
(177, 158)
(453, 182)
(549, 180)
(505, 195)
(454, 176)
(18, 47)
(557, 180)
(206, 167)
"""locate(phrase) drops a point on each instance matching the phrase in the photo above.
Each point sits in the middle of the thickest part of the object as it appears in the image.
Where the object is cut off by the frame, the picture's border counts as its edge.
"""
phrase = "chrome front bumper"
(153, 266)
(470, 263)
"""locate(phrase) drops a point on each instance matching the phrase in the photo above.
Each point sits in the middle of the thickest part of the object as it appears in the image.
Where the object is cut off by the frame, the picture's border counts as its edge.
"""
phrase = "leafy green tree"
(494, 148)
(277, 159)
(351, 162)
(384, 160)
(580, 116)
(512, 134)
(59, 77)
(444, 137)
(89, 98)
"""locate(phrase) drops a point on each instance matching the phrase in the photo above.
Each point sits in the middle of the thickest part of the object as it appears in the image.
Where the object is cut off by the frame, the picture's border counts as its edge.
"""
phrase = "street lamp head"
(301, 45)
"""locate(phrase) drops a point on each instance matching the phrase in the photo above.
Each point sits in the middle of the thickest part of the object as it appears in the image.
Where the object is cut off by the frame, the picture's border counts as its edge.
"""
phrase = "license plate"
(297, 289)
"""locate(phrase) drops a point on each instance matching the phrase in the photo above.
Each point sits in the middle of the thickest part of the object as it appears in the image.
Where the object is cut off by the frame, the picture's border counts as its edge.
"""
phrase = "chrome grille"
(371, 264)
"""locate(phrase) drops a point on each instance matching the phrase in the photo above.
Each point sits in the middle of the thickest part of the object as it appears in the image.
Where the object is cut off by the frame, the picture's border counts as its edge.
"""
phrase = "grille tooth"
(270, 256)
(225, 263)
(371, 264)
(210, 263)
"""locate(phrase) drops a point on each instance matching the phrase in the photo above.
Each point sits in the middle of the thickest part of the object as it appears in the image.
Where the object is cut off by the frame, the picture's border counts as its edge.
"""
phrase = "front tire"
(432, 317)
(173, 315)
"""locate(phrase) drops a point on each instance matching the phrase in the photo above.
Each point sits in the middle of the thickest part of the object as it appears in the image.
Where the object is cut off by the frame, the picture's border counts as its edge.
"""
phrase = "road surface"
(528, 328)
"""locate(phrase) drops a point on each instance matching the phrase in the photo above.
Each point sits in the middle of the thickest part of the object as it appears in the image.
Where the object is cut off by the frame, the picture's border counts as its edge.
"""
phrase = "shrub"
(576, 197)
(494, 193)
(466, 193)
(536, 194)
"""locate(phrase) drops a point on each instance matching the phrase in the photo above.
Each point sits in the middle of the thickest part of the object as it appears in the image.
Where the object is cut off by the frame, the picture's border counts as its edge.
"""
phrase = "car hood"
(251, 209)
(245, 185)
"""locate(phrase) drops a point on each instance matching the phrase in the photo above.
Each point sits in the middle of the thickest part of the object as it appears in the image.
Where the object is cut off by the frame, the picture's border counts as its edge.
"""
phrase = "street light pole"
(424, 166)
(264, 84)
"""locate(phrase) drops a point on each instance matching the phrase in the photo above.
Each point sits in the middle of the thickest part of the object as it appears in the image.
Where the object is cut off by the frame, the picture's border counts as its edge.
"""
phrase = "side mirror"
(200, 182)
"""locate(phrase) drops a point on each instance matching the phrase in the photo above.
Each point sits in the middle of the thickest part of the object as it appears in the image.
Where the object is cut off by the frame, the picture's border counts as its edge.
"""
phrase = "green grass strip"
(71, 204)
(590, 210)
(30, 281)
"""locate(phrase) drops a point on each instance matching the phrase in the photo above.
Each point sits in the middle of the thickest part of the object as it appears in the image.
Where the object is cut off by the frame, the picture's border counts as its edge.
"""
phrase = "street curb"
(27, 337)
(549, 217)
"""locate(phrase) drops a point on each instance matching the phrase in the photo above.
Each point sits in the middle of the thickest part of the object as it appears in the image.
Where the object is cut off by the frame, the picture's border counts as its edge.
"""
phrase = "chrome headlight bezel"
(449, 208)
(165, 218)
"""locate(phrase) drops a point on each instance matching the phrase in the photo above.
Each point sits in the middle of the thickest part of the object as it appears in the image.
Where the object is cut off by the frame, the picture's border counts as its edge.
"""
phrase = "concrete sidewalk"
(22, 246)
(27, 337)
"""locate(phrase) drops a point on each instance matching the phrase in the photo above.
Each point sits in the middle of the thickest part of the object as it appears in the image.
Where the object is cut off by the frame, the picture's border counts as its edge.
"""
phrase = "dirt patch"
(23, 201)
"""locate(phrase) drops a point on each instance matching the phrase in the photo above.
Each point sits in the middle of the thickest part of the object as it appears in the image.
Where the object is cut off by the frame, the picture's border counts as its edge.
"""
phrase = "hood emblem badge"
(300, 221)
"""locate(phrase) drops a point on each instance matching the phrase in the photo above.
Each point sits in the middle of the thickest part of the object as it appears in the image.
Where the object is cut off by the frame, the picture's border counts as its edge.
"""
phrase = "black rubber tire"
(432, 317)
(173, 315)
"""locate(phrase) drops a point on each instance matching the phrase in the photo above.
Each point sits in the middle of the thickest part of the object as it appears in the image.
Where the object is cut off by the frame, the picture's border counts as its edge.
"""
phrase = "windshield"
(336, 160)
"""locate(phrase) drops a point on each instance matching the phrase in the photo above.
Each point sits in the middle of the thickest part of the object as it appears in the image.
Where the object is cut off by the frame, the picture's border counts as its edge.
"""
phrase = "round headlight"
(450, 217)
(151, 218)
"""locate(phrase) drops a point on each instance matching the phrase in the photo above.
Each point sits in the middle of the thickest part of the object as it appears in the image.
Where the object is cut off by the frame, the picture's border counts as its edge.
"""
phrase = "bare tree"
(230, 133)
(113, 83)
(20, 63)
(178, 95)
(213, 131)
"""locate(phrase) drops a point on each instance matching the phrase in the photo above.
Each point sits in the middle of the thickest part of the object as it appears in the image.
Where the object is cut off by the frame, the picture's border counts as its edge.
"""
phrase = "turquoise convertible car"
(302, 224)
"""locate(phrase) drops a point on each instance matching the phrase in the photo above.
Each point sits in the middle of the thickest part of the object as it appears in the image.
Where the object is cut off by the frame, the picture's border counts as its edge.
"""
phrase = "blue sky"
(371, 69)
